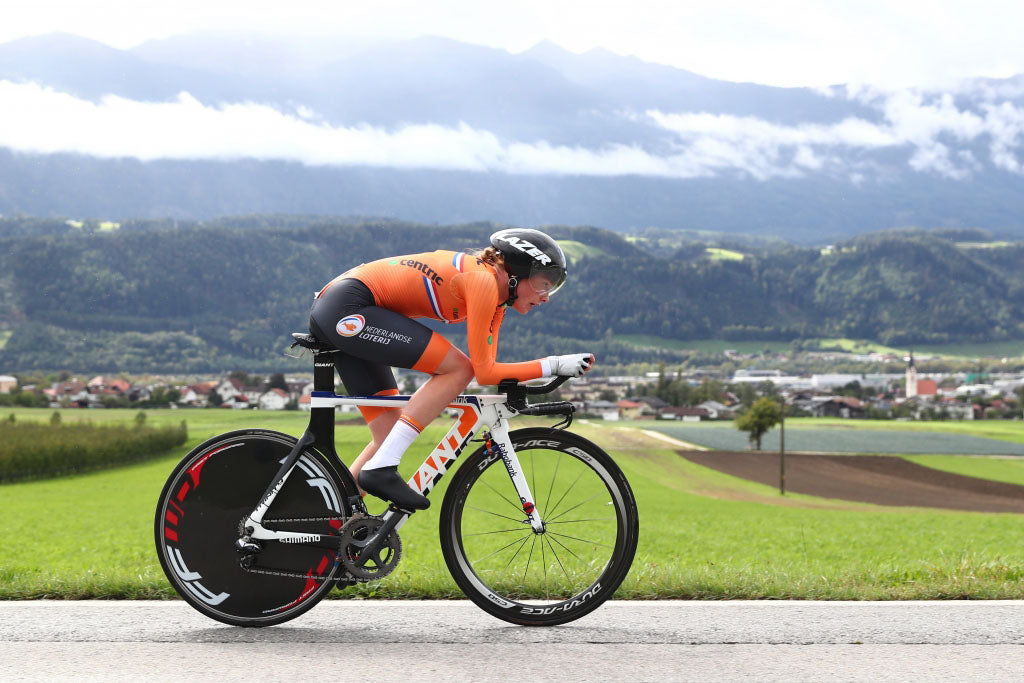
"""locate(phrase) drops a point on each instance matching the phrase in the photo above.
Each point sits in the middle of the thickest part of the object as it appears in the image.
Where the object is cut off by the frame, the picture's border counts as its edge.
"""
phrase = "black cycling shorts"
(372, 340)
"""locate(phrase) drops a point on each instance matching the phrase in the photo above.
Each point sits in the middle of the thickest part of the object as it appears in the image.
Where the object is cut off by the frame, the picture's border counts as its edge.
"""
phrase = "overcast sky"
(894, 45)
(887, 43)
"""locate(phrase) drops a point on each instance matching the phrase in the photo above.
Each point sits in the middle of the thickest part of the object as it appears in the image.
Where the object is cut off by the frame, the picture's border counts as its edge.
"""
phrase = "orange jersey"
(449, 286)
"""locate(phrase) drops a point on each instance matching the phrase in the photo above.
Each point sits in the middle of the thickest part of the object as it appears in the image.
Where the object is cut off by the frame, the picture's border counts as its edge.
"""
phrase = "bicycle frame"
(476, 411)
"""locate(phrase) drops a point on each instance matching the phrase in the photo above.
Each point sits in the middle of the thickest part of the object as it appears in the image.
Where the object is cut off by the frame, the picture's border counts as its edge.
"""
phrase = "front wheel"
(198, 517)
(540, 579)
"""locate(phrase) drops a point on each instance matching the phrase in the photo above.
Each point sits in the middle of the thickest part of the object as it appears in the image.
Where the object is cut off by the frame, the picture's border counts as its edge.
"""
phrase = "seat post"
(323, 372)
(321, 420)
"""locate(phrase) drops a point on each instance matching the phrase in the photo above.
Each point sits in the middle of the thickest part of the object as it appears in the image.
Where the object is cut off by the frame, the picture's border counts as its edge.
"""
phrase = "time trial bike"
(538, 526)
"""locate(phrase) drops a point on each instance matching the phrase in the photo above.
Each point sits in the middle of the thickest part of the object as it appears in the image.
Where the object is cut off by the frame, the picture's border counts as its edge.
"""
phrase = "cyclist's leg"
(372, 340)
(380, 427)
(448, 380)
(449, 377)
(363, 378)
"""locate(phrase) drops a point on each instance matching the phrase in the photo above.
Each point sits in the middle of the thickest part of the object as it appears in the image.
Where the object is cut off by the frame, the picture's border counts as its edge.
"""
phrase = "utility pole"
(782, 449)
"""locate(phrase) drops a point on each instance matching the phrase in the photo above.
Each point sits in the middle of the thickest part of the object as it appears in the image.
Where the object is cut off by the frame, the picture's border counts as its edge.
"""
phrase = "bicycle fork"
(499, 443)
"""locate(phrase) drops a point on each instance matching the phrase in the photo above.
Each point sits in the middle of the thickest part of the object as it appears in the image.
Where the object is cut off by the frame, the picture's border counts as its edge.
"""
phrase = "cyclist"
(366, 313)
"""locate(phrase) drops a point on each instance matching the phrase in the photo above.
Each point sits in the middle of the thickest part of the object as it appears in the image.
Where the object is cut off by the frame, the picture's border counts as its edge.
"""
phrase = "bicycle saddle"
(308, 341)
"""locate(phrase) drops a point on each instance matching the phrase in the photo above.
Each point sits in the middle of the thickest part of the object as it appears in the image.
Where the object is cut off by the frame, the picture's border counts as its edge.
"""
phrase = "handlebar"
(516, 394)
(533, 389)
(553, 408)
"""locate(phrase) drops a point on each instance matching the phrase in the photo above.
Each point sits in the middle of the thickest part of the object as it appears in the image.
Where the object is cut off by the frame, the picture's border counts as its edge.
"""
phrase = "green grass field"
(704, 534)
(983, 245)
(719, 254)
(705, 345)
(1009, 470)
(574, 250)
(1003, 430)
(1001, 349)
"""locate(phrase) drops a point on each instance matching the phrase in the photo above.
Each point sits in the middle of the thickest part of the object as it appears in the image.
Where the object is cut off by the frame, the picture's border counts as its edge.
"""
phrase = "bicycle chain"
(293, 575)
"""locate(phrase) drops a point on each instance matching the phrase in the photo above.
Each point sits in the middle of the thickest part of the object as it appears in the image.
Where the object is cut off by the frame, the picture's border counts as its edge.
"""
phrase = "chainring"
(354, 536)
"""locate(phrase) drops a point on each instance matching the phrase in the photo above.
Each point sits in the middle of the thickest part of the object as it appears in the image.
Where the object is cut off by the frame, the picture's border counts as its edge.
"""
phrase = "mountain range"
(193, 298)
(434, 130)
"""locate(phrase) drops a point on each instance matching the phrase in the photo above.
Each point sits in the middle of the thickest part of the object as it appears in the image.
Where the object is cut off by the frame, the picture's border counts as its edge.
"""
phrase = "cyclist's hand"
(572, 365)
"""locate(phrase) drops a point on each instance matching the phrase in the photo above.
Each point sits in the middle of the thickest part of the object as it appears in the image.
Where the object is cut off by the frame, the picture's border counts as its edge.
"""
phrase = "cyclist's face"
(529, 296)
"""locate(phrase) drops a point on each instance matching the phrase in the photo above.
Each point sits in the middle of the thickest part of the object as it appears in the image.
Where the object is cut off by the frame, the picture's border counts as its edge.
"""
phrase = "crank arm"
(374, 542)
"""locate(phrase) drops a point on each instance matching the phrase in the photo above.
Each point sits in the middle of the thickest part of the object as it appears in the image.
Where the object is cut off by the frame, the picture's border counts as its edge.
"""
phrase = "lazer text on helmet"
(527, 248)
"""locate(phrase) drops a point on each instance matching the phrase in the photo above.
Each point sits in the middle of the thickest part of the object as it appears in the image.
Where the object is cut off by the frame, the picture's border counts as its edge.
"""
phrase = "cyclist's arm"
(483, 321)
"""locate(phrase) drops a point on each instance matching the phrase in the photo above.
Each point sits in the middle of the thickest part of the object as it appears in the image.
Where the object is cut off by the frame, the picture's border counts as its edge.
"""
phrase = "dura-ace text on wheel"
(559, 574)
(198, 521)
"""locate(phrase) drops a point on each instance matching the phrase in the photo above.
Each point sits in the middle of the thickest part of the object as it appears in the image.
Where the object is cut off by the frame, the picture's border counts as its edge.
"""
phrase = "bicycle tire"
(584, 553)
(211, 491)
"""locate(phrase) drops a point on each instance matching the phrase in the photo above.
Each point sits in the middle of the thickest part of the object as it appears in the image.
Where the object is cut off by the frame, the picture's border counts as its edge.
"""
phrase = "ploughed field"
(879, 479)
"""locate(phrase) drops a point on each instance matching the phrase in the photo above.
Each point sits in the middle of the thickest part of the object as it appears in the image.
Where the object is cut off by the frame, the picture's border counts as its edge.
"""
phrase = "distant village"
(902, 395)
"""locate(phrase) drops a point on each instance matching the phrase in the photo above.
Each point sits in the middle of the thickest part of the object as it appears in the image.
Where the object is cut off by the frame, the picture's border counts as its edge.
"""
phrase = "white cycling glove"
(572, 365)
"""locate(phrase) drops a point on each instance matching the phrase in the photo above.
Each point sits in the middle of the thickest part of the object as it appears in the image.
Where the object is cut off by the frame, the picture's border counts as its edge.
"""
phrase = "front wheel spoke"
(514, 555)
(554, 552)
(529, 558)
(571, 487)
(569, 550)
(581, 540)
(577, 521)
(504, 547)
(491, 512)
(577, 505)
(544, 565)
(554, 477)
(487, 533)
(518, 507)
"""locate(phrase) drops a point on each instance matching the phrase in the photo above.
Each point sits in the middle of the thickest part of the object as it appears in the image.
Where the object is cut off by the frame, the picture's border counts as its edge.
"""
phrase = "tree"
(762, 416)
(277, 381)
(746, 392)
(243, 377)
(852, 389)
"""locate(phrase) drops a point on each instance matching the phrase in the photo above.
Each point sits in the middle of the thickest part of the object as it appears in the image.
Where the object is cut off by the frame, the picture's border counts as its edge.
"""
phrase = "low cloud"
(933, 129)
(44, 120)
(939, 138)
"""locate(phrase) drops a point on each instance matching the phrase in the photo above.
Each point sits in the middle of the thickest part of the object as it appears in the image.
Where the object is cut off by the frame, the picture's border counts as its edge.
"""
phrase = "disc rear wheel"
(199, 519)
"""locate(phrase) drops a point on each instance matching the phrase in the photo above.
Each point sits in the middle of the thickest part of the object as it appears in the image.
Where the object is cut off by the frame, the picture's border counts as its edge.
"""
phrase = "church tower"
(911, 376)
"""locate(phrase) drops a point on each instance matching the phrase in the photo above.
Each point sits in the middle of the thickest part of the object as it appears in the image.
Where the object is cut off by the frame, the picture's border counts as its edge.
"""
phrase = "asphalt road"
(410, 641)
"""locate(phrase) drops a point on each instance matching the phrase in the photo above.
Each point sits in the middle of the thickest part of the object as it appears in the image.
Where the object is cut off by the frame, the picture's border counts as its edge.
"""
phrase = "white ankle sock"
(395, 444)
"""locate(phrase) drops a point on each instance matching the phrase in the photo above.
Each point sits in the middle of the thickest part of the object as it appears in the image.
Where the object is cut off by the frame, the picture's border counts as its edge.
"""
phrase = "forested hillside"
(164, 297)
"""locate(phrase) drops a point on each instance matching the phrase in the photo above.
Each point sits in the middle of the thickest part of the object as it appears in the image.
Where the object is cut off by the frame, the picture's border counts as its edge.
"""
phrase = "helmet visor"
(547, 281)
